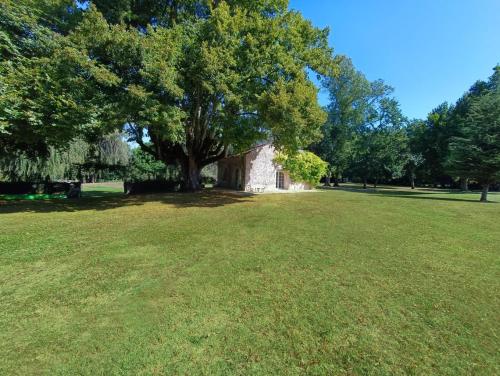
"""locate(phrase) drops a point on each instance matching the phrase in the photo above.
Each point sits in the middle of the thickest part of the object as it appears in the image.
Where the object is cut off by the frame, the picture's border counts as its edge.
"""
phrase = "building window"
(280, 180)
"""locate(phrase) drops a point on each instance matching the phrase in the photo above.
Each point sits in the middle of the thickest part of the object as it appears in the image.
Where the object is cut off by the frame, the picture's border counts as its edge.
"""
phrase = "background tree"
(57, 165)
(415, 131)
(475, 152)
(105, 158)
(457, 117)
(348, 90)
(415, 159)
(143, 166)
(435, 143)
(380, 143)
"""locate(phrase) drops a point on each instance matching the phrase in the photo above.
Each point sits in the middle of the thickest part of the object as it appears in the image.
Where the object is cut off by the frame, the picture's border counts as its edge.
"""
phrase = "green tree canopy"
(143, 166)
(349, 93)
(49, 90)
(475, 151)
(414, 157)
(380, 142)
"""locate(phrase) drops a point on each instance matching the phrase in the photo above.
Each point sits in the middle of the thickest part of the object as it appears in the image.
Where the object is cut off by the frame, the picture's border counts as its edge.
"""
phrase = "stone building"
(256, 171)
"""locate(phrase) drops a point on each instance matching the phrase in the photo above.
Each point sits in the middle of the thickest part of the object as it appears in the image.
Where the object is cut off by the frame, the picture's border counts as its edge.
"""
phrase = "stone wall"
(260, 169)
(295, 186)
(256, 169)
(230, 172)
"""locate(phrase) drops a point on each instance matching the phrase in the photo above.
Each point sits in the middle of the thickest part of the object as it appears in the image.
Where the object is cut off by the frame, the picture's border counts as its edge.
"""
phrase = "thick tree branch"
(222, 154)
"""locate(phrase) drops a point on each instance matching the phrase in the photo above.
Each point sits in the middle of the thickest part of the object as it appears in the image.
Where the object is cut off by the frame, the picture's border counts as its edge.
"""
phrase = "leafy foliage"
(57, 165)
(81, 160)
(193, 77)
(143, 167)
(475, 153)
(303, 166)
(433, 143)
(380, 143)
(349, 91)
(200, 77)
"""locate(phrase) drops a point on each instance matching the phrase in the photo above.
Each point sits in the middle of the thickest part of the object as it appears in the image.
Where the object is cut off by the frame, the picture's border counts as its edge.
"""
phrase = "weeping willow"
(68, 164)
(111, 150)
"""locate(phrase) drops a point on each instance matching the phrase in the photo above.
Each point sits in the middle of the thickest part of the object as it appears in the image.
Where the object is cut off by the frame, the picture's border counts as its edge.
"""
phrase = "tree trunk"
(335, 182)
(412, 181)
(375, 183)
(327, 180)
(364, 183)
(464, 184)
(484, 193)
(191, 171)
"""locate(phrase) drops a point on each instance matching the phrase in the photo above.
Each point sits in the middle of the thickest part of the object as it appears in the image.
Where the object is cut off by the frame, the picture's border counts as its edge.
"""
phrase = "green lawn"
(341, 282)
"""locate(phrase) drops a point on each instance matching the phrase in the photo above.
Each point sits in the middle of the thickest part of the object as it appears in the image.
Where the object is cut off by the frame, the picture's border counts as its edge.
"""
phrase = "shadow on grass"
(102, 200)
(419, 194)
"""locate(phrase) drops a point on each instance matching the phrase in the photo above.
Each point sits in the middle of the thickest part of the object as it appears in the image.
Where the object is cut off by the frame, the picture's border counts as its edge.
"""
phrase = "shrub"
(303, 166)
(151, 186)
(70, 188)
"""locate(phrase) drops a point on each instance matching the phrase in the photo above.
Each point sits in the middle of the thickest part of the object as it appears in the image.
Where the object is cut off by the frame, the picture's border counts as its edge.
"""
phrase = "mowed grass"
(343, 282)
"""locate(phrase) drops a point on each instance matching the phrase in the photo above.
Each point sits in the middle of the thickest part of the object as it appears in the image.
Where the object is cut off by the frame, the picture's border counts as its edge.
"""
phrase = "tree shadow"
(100, 201)
(419, 194)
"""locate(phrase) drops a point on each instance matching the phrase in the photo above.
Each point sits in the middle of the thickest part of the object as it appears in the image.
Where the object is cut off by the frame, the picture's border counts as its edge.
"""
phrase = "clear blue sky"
(430, 51)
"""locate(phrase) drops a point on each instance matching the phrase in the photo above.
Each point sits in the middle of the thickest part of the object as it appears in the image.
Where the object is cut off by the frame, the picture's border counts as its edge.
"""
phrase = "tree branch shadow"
(100, 201)
(419, 194)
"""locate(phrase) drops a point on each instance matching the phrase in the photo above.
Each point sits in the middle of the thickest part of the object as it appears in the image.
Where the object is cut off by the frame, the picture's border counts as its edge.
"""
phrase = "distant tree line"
(108, 158)
(366, 136)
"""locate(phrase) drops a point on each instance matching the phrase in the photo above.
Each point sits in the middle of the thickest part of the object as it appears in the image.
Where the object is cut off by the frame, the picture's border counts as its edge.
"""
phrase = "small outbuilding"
(256, 171)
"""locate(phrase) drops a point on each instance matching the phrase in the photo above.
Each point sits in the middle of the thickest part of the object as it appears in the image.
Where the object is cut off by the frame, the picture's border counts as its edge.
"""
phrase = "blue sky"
(430, 51)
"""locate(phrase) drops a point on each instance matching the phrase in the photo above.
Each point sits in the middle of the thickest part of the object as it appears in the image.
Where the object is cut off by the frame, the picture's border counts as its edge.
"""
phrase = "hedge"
(71, 189)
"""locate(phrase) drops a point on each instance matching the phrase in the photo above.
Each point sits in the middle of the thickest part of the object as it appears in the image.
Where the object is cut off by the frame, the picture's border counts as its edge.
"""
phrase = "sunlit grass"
(391, 281)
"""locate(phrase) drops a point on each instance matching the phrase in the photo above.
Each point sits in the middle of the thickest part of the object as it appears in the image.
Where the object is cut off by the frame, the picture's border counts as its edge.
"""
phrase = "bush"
(144, 167)
(151, 186)
(70, 189)
(303, 167)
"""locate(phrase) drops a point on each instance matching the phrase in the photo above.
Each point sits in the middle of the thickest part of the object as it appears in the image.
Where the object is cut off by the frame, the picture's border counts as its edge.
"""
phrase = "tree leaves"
(303, 166)
(475, 153)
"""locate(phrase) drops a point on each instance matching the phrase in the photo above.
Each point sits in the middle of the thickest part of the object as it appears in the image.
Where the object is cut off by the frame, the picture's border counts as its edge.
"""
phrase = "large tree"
(197, 79)
(434, 143)
(380, 142)
(350, 94)
(414, 157)
(475, 151)
(190, 80)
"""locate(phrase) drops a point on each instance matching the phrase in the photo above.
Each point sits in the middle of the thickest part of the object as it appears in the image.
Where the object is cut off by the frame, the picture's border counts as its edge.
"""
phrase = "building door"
(280, 180)
(237, 179)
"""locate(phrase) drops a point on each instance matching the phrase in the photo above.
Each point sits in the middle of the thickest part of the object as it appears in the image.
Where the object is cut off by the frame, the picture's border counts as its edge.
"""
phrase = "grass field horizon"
(339, 281)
